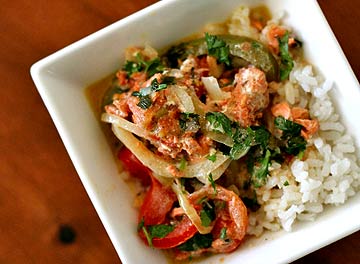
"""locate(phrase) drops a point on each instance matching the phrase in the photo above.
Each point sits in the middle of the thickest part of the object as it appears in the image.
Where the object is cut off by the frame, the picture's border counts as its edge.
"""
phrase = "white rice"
(330, 174)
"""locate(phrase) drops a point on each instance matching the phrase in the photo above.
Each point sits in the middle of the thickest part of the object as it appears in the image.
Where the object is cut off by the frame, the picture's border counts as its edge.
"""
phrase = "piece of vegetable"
(218, 48)
(243, 51)
(134, 166)
(189, 122)
(259, 171)
(160, 231)
(223, 233)
(213, 88)
(232, 216)
(292, 142)
(219, 122)
(212, 182)
(287, 62)
(150, 67)
(125, 124)
(207, 214)
(144, 94)
(153, 227)
(189, 209)
(157, 203)
(211, 157)
(183, 231)
(198, 241)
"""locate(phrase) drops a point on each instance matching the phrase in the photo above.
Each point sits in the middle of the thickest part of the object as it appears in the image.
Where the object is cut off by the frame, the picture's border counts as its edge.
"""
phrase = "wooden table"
(39, 188)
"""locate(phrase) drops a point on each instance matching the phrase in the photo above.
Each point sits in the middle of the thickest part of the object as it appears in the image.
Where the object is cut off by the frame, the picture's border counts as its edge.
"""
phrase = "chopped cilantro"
(144, 102)
(131, 67)
(144, 94)
(189, 121)
(286, 183)
(160, 231)
(295, 146)
(288, 127)
(260, 170)
(142, 227)
(287, 62)
(156, 86)
(153, 66)
(293, 142)
(223, 235)
(261, 136)
(243, 139)
(219, 122)
(217, 48)
(212, 157)
(207, 214)
(150, 67)
(211, 180)
(182, 164)
(198, 241)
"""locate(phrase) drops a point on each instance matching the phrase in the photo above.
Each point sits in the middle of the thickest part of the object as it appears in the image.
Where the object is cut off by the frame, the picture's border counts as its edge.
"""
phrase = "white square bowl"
(62, 78)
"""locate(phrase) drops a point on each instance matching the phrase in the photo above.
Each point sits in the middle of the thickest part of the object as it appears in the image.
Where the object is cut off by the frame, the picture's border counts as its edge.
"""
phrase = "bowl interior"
(62, 78)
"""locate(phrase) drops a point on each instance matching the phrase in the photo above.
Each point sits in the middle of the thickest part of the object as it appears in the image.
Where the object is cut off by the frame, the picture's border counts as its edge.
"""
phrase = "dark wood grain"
(39, 188)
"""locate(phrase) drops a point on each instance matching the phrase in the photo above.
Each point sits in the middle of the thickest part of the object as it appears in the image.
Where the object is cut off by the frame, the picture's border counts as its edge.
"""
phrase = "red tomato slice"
(181, 233)
(134, 166)
(157, 203)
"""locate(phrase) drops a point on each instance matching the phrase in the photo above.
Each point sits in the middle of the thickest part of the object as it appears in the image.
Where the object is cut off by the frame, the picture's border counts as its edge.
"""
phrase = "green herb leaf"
(131, 67)
(295, 145)
(207, 214)
(287, 62)
(189, 122)
(286, 183)
(150, 67)
(140, 225)
(160, 231)
(260, 172)
(219, 122)
(198, 241)
(156, 86)
(144, 94)
(223, 235)
(153, 66)
(288, 127)
(212, 157)
(217, 48)
(243, 139)
(145, 102)
(211, 180)
(261, 136)
(182, 164)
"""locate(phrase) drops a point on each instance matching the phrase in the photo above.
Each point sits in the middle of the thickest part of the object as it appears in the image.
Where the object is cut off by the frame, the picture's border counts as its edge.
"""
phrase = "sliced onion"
(161, 167)
(216, 174)
(202, 169)
(213, 88)
(189, 209)
(123, 123)
(185, 101)
(221, 138)
(146, 157)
